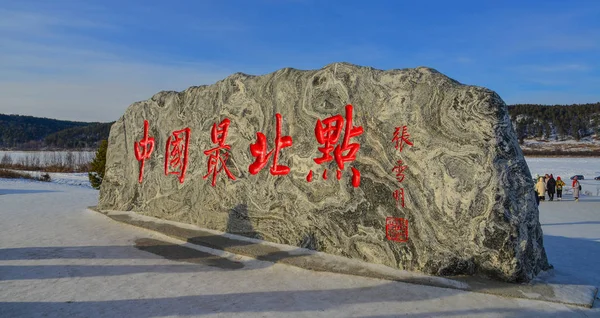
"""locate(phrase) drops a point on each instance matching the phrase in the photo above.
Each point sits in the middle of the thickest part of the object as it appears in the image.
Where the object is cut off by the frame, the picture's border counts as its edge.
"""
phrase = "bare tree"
(6, 160)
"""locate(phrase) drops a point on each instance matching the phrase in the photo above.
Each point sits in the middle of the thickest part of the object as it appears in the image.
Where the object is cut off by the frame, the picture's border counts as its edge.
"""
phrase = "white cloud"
(561, 68)
(91, 90)
(549, 97)
(464, 60)
(23, 21)
(48, 69)
(565, 74)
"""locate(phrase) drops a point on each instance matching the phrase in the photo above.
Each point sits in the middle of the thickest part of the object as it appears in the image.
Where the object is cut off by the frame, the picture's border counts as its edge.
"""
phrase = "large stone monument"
(406, 168)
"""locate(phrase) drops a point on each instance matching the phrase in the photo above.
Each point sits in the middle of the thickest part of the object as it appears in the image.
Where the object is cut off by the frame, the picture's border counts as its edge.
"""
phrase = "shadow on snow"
(24, 191)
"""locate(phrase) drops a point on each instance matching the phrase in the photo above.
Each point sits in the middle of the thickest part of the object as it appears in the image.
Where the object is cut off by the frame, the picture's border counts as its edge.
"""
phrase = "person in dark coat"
(537, 195)
(551, 185)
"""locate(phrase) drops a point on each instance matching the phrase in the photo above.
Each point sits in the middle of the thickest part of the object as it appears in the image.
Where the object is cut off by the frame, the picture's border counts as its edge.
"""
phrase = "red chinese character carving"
(401, 139)
(399, 170)
(352, 148)
(328, 133)
(259, 151)
(328, 136)
(176, 154)
(310, 176)
(147, 146)
(399, 196)
(396, 229)
(218, 136)
(355, 177)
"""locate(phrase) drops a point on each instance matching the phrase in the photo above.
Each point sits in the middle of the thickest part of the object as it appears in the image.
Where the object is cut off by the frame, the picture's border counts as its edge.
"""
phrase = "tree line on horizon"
(556, 122)
(34, 133)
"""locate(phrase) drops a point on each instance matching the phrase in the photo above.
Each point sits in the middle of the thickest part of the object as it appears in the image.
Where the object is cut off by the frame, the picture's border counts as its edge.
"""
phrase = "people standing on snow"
(551, 186)
(576, 188)
(537, 195)
(559, 186)
(541, 189)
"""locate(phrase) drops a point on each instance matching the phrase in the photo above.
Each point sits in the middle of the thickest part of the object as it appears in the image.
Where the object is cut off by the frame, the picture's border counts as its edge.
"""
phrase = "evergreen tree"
(575, 129)
(98, 165)
(539, 130)
(566, 121)
(547, 130)
(557, 129)
(584, 124)
(521, 131)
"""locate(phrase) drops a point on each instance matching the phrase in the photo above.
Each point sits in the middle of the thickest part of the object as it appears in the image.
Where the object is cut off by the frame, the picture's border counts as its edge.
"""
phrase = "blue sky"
(89, 60)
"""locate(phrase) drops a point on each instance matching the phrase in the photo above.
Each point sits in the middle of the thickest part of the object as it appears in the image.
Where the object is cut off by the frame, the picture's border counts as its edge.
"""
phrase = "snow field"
(58, 259)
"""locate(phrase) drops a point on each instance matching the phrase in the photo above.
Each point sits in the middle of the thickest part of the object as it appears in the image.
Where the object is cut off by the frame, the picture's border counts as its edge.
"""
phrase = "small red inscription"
(399, 170)
(399, 196)
(176, 154)
(401, 137)
(146, 144)
(217, 160)
(259, 151)
(309, 177)
(396, 229)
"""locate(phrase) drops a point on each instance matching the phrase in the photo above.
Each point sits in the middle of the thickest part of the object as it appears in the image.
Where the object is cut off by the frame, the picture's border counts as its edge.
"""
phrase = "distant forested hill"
(556, 122)
(34, 133)
(79, 137)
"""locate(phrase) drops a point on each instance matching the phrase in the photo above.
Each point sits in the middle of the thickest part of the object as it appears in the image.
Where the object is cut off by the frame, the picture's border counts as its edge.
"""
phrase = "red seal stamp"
(396, 229)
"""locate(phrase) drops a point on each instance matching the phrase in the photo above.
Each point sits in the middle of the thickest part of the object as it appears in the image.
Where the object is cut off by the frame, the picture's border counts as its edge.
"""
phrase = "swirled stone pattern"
(468, 192)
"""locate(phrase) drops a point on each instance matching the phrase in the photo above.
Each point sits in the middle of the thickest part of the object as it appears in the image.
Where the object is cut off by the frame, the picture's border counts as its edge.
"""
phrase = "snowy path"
(572, 240)
(59, 260)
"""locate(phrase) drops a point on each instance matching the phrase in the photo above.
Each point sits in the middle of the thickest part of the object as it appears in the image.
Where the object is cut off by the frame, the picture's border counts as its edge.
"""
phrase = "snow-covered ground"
(568, 167)
(58, 259)
(565, 167)
(74, 179)
(590, 143)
